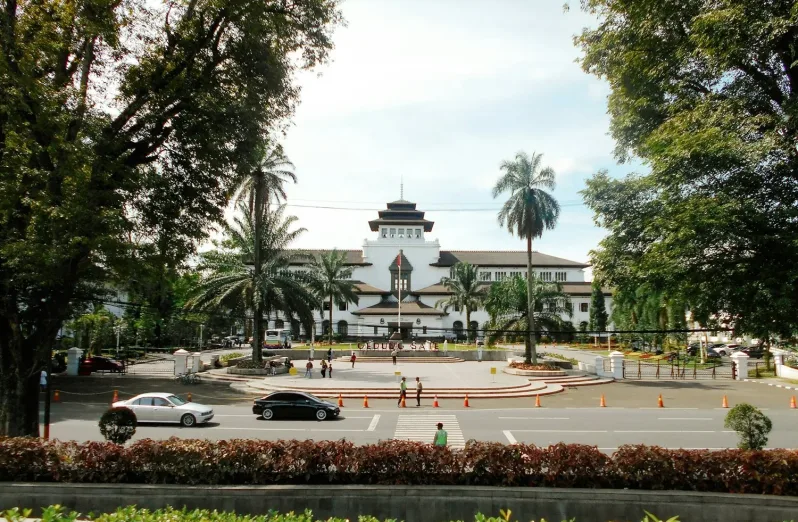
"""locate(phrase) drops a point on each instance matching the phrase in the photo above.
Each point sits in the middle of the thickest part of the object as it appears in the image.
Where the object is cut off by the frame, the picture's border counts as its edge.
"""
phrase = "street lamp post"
(200, 339)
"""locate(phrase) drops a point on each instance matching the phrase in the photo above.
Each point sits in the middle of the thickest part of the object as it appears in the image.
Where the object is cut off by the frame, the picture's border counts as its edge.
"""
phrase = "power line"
(488, 209)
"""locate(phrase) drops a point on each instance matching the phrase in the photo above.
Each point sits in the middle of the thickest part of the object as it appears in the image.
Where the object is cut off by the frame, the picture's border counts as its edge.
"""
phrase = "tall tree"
(598, 311)
(229, 281)
(332, 280)
(527, 213)
(705, 94)
(105, 103)
(507, 304)
(258, 185)
(467, 293)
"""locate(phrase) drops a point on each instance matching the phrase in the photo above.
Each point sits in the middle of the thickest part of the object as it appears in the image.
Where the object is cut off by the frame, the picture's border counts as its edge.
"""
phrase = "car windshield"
(177, 401)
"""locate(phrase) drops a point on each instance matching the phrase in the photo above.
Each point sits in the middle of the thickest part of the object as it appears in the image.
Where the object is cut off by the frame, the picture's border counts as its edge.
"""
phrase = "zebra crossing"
(422, 428)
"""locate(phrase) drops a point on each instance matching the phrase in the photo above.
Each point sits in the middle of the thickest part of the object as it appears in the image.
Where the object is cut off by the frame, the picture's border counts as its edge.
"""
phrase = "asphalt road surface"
(606, 428)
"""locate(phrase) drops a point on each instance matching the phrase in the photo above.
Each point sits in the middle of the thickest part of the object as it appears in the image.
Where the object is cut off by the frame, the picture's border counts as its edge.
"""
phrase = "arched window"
(457, 326)
(325, 327)
(343, 328)
(279, 323)
(472, 329)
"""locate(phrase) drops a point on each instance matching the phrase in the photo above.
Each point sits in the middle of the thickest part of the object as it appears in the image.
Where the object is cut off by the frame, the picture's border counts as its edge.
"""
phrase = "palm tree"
(508, 300)
(258, 185)
(527, 213)
(331, 279)
(233, 280)
(466, 292)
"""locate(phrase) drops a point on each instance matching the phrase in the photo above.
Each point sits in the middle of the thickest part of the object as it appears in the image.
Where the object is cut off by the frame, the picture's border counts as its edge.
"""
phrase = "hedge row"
(127, 514)
(238, 461)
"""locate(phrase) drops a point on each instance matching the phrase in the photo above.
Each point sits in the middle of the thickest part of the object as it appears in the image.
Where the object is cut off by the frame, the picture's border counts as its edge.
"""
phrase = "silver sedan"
(166, 407)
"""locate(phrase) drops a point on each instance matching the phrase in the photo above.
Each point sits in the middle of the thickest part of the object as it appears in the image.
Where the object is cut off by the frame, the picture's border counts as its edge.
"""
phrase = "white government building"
(401, 227)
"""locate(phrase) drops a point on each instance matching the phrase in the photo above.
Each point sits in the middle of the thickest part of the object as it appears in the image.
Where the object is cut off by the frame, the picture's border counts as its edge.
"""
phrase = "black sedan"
(294, 405)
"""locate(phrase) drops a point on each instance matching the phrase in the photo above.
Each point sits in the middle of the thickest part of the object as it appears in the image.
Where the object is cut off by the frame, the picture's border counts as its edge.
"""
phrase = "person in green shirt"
(402, 391)
(441, 437)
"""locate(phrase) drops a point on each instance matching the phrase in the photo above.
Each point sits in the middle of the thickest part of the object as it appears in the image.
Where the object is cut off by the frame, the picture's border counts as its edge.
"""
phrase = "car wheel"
(188, 420)
(267, 414)
(321, 415)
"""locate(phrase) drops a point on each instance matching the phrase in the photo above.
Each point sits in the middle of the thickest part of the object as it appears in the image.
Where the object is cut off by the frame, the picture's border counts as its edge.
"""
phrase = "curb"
(772, 384)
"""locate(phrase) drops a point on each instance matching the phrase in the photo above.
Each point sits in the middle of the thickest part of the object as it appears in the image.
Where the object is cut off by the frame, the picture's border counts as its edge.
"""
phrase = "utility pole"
(118, 329)
(200, 339)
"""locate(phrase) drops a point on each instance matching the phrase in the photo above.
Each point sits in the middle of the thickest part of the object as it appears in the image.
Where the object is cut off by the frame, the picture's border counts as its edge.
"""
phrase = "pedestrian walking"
(329, 355)
(393, 356)
(419, 389)
(309, 369)
(441, 437)
(323, 368)
(353, 359)
(402, 391)
(43, 380)
(273, 367)
(329, 370)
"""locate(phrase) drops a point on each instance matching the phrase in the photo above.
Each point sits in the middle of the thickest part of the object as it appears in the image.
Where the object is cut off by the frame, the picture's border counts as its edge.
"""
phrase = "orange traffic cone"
(188, 397)
(659, 401)
(792, 402)
(340, 400)
(603, 403)
(404, 404)
(57, 396)
(116, 397)
(435, 402)
(465, 402)
(725, 402)
(365, 401)
(537, 401)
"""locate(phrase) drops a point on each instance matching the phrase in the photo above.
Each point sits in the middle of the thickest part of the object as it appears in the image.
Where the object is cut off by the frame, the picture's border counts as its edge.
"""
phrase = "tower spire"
(402, 186)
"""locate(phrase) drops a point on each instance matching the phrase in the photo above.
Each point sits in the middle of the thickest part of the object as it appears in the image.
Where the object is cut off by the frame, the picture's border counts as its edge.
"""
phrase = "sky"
(436, 94)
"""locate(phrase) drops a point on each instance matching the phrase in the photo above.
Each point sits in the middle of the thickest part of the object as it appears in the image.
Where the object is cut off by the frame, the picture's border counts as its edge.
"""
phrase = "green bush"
(226, 357)
(263, 462)
(118, 425)
(126, 514)
(751, 425)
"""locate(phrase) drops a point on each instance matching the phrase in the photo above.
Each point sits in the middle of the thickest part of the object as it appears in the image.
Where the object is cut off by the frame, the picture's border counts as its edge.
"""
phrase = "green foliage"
(94, 329)
(187, 462)
(229, 283)
(118, 425)
(527, 213)
(467, 293)
(598, 310)
(126, 514)
(331, 281)
(122, 126)
(226, 357)
(507, 305)
(751, 425)
(704, 94)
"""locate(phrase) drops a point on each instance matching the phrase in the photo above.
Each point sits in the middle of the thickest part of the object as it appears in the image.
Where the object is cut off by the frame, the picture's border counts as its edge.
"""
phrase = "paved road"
(606, 428)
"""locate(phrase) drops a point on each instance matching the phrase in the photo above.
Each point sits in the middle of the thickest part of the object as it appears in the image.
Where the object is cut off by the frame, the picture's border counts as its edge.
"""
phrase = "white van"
(277, 338)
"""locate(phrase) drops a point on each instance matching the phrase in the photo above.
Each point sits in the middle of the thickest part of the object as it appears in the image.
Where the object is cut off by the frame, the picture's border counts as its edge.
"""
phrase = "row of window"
(342, 307)
(500, 275)
(401, 233)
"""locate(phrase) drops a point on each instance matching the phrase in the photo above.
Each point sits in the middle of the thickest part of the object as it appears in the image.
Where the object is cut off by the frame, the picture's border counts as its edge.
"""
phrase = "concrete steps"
(573, 380)
(422, 359)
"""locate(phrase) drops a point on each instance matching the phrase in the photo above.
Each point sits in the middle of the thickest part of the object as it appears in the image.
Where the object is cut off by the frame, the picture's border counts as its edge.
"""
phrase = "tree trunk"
(256, 337)
(329, 331)
(530, 354)
(468, 324)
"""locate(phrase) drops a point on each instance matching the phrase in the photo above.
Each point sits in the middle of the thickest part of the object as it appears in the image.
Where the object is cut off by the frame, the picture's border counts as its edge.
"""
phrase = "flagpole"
(399, 319)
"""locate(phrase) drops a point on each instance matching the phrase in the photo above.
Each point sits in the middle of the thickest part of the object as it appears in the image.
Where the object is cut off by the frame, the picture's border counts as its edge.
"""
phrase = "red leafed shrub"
(180, 461)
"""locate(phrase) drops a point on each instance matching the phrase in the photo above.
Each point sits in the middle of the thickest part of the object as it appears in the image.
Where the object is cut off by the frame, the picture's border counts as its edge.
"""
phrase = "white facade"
(402, 228)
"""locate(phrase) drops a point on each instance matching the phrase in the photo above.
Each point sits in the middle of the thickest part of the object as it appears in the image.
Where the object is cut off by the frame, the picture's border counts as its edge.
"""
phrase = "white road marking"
(534, 418)
(564, 431)
(510, 437)
(422, 428)
(282, 429)
(671, 431)
(373, 425)
(687, 418)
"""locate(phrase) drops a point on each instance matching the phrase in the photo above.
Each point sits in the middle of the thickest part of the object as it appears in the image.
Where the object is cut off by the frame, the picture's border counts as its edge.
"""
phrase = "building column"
(616, 364)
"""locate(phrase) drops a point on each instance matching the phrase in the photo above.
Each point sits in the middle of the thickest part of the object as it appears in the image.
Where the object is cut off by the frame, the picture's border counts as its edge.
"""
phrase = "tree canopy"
(331, 280)
(116, 116)
(705, 94)
(467, 293)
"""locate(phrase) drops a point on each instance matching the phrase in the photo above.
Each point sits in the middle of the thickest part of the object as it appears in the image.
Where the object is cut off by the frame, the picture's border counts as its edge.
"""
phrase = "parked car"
(294, 405)
(168, 408)
(711, 354)
(727, 349)
(754, 352)
(100, 364)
